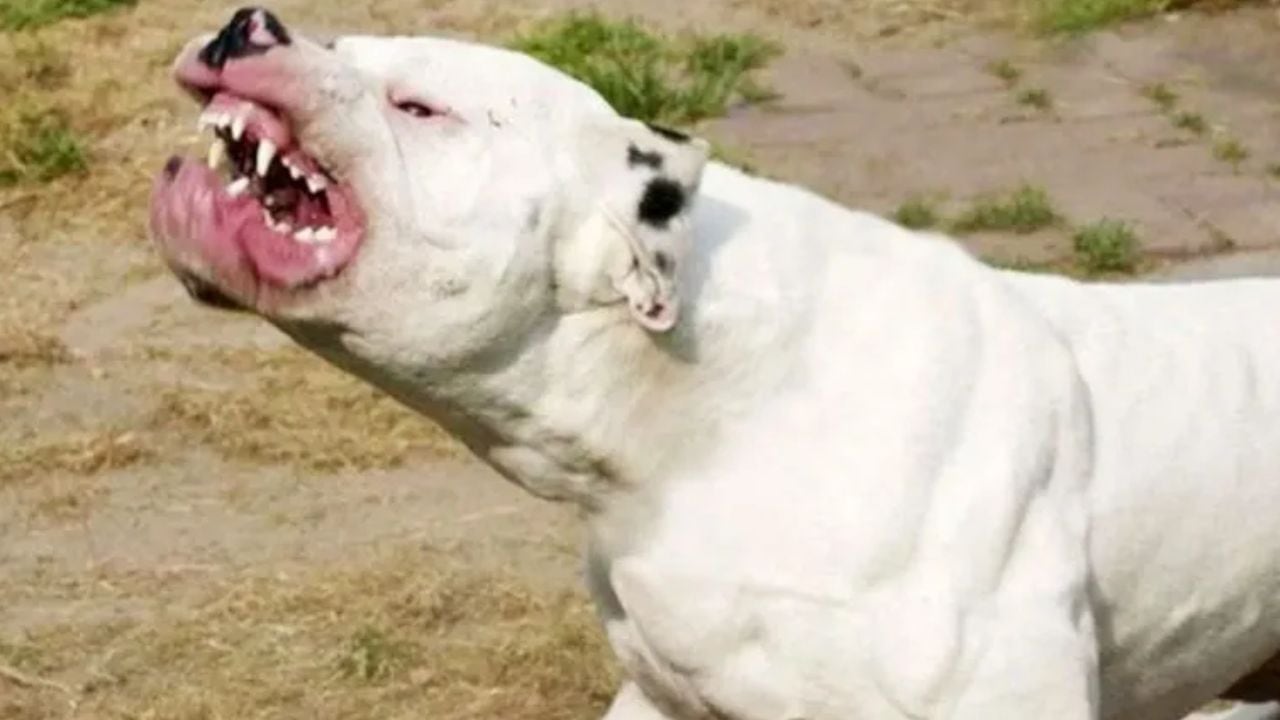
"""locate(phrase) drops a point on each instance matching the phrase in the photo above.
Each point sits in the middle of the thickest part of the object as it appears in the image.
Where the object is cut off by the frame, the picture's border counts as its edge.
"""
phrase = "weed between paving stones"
(1106, 246)
(1038, 98)
(1231, 151)
(1080, 16)
(917, 213)
(1025, 210)
(1161, 95)
(1006, 71)
(1191, 122)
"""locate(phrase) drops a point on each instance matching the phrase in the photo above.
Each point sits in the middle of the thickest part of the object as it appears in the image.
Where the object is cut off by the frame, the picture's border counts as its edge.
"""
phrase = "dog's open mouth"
(289, 185)
(259, 216)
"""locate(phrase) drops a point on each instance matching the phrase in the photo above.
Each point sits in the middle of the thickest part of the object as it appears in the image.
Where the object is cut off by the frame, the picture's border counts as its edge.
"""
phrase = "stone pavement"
(879, 124)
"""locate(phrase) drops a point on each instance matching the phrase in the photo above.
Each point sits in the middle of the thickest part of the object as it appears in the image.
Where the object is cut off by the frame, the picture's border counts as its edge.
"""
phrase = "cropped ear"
(639, 182)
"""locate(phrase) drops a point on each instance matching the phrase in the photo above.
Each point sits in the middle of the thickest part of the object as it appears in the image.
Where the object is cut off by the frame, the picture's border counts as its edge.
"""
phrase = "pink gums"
(201, 228)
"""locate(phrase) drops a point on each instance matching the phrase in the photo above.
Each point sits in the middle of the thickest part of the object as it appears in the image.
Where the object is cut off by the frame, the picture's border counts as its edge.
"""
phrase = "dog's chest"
(704, 646)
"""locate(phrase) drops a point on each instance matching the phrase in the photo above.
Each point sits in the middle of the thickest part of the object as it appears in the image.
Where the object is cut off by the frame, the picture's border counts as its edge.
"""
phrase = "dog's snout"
(251, 31)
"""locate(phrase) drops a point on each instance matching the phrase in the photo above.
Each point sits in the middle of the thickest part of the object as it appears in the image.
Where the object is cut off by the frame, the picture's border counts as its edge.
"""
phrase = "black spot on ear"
(673, 135)
(649, 158)
(663, 199)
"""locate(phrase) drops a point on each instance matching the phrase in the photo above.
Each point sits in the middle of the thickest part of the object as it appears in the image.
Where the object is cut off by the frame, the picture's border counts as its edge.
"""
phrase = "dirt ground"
(198, 521)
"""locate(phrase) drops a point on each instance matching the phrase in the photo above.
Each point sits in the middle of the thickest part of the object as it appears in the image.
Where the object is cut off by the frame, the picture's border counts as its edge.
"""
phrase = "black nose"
(251, 31)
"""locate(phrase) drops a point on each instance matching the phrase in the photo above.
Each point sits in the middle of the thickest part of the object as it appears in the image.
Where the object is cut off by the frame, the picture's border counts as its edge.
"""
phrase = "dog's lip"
(215, 231)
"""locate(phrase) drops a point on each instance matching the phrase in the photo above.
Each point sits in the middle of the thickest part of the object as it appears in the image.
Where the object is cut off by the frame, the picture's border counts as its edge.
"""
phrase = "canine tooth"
(266, 153)
(315, 184)
(305, 235)
(270, 221)
(224, 120)
(217, 154)
(326, 235)
(237, 188)
(238, 126)
(294, 172)
(207, 120)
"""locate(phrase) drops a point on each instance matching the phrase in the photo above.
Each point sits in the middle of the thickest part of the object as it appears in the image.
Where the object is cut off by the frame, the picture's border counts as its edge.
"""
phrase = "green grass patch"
(917, 213)
(1230, 151)
(1080, 16)
(1162, 95)
(38, 146)
(28, 14)
(651, 76)
(1106, 246)
(1036, 97)
(1191, 122)
(1006, 71)
(1025, 210)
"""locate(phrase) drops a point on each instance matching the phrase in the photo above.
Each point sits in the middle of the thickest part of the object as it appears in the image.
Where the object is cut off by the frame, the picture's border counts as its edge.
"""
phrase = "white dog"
(831, 469)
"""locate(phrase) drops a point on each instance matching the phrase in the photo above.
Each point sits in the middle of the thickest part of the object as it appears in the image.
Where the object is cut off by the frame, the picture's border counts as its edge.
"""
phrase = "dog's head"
(418, 195)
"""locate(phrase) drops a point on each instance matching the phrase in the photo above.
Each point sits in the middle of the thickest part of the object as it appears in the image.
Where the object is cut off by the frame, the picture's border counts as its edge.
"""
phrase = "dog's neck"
(597, 407)
(590, 405)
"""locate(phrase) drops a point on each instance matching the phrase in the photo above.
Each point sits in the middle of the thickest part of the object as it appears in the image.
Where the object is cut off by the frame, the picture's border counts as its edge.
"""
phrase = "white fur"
(864, 475)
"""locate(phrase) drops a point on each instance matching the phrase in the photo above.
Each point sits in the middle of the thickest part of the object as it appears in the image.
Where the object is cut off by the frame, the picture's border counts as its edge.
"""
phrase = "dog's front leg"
(631, 704)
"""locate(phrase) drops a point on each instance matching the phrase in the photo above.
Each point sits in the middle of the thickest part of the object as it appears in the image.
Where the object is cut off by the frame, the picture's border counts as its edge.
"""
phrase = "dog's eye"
(416, 109)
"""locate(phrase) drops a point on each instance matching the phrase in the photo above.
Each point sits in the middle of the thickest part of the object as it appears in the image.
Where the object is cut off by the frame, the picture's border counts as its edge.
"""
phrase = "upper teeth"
(214, 119)
(217, 154)
(266, 153)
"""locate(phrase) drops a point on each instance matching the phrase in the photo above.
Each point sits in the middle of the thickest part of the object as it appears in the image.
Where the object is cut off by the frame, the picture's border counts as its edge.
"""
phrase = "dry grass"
(81, 454)
(287, 407)
(22, 347)
(404, 636)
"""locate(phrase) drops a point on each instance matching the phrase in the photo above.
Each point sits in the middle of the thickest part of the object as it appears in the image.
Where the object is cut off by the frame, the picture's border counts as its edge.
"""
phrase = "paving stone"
(910, 121)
